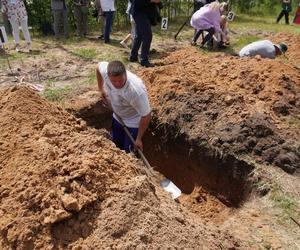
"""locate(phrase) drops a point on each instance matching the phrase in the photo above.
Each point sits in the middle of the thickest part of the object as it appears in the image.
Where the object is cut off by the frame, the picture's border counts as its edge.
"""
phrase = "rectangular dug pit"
(190, 167)
(197, 170)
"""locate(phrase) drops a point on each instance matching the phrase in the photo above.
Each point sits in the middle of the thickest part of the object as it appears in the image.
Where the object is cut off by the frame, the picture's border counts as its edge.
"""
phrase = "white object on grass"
(164, 23)
(170, 187)
(230, 16)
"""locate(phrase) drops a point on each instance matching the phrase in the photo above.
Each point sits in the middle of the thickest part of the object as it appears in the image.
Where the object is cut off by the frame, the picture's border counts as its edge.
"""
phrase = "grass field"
(243, 30)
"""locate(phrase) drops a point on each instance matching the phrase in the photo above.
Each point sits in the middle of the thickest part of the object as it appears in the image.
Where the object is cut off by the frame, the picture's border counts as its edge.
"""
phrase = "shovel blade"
(171, 188)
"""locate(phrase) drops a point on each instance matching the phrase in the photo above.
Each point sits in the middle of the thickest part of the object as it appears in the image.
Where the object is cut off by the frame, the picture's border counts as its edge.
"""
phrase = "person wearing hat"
(264, 48)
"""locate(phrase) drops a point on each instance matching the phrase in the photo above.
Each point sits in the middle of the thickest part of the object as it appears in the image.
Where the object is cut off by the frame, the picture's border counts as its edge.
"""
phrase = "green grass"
(244, 40)
(287, 204)
(12, 56)
(91, 79)
(58, 95)
(86, 53)
(262, 23)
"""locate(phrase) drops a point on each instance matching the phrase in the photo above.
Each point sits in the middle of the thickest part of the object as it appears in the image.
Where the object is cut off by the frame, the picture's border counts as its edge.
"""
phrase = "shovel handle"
(133, 141)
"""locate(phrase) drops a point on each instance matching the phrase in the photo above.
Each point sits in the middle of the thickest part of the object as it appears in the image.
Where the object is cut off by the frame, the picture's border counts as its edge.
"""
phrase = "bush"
(39, 11)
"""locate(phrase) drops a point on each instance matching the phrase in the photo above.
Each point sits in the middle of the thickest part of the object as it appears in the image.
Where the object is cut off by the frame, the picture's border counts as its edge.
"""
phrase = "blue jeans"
(109, 15)
(120, 138)
(207, 38)
(143, 37)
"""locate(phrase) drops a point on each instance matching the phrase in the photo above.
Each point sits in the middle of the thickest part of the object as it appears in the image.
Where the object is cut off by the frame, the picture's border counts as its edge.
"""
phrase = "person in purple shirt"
(208, 19)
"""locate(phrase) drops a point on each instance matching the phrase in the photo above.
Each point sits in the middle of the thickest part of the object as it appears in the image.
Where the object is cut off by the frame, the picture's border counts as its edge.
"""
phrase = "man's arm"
(145, 120)
(100, 84)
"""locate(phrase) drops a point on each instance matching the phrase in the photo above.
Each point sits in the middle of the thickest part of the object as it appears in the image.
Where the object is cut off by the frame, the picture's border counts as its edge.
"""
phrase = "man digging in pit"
(126, 93)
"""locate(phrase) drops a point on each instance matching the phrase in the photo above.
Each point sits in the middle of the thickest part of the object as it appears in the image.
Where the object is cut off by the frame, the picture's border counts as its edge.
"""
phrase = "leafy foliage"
(39, 11)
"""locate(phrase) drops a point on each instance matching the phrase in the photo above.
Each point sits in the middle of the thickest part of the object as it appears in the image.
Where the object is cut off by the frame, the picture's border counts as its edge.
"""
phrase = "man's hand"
(142, 128)
(104, 97)
(139, 144)
(100, 82)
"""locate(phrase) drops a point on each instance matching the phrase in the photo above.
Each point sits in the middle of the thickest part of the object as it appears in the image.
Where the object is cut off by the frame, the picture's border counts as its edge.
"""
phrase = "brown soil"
(240, 106)
(64, 185)
(207, 191)
(293, 41)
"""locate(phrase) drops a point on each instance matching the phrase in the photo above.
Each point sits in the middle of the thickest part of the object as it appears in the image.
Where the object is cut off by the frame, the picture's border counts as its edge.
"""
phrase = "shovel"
(166, 184)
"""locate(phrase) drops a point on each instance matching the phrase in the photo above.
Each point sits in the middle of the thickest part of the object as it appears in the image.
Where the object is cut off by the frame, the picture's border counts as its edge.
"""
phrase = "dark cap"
(282, 47)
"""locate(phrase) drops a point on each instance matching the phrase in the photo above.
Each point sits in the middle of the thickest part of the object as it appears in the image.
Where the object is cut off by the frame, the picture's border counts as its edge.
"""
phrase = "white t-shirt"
(129, 4)
(107, 5)
(264, 48)
(131, 101)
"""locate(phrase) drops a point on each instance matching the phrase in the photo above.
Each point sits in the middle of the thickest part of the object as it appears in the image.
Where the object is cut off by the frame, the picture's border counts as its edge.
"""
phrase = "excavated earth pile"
(245, 107)
(64, 185)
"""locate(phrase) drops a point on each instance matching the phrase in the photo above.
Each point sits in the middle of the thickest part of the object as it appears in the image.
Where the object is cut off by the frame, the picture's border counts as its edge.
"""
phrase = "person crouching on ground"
(208, 18)
(263, 48)
(128, 97)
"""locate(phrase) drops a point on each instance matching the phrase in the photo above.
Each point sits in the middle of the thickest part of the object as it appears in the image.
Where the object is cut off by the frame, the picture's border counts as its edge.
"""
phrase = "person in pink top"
(17, 15)
(208, 19)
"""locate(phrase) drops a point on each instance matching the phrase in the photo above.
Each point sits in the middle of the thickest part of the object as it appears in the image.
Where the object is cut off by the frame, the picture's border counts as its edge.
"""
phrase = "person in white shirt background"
(108, 9)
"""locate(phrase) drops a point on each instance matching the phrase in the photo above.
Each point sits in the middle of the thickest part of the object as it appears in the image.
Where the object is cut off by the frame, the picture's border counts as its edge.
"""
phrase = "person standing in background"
(17, 15)
(81, 10)
(100, 18)
(60, 14)
(6, 22)
(286, 9)
(108, 9)
(132, 33)
(141, 12)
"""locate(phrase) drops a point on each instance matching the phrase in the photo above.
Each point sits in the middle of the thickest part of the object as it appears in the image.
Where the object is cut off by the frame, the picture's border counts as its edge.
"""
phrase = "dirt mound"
(240, 106)
(63, 185)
